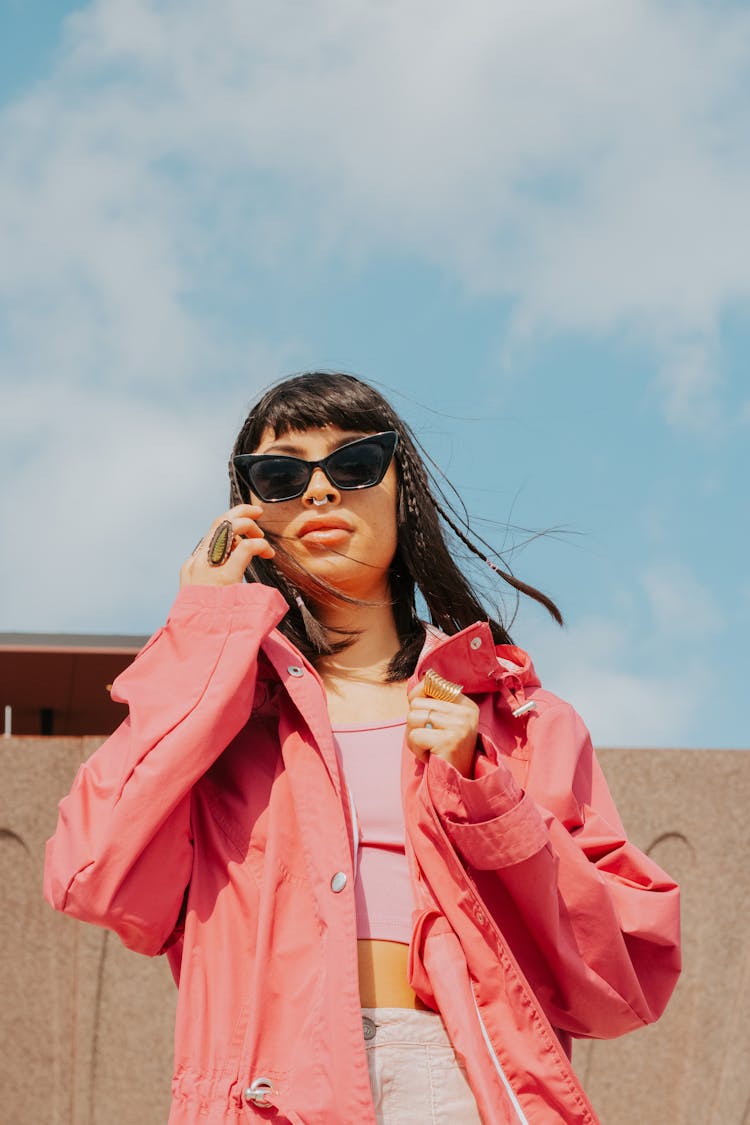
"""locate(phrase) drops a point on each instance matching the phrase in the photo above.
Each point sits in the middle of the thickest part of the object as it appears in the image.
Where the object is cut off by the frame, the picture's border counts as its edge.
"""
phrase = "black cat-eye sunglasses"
(358, 464)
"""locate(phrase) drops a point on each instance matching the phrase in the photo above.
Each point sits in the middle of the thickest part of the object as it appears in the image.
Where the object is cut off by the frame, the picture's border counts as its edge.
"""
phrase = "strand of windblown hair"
(516, 583)
(434, 486)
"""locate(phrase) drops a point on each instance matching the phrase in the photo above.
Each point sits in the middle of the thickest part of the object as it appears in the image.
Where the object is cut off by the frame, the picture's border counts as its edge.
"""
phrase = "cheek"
(275, 519)
(386, 528)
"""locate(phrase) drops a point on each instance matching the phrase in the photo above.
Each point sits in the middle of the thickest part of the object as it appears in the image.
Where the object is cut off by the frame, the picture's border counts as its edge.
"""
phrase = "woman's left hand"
(452, 733)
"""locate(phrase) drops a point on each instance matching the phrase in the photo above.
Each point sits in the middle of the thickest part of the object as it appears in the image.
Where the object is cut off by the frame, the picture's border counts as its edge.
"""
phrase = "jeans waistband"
(404, 1025)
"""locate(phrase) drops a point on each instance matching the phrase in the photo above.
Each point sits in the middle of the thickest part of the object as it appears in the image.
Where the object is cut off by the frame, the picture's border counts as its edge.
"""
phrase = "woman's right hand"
(248, 543)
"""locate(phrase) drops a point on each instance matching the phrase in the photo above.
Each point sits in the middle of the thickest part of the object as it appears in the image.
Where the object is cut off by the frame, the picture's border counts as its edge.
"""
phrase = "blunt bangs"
(317, 399)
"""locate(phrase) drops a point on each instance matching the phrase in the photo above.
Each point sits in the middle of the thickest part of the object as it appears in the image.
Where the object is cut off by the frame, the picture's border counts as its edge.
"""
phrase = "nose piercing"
(319, 503)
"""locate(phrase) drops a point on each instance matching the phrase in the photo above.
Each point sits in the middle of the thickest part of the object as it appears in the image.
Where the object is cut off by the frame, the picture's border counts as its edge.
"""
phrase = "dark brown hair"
(423, 559)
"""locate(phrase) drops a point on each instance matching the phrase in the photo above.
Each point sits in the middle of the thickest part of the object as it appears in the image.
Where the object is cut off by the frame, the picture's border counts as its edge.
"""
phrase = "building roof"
(59, 683)
(71, 642)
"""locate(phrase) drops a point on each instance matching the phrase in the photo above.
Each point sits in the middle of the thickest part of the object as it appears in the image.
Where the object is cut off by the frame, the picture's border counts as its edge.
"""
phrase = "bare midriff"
(383, 975)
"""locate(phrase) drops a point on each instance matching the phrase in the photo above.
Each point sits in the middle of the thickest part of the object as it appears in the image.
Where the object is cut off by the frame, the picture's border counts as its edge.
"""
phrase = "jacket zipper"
(520, 1115)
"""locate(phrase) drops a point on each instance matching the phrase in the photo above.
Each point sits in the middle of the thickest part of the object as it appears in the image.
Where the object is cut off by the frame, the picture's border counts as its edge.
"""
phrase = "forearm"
(594, 923)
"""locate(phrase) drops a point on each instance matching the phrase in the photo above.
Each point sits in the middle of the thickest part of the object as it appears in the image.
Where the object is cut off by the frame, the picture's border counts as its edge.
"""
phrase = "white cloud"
(109, 502)
(680, 606)
(690, 383)
(105, 492)
(632, 674)
(562, 155)
(565, 156)
(591, 664)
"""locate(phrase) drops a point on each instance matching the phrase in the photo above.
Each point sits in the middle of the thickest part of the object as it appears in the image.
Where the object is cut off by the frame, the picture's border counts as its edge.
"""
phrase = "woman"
(382, 861)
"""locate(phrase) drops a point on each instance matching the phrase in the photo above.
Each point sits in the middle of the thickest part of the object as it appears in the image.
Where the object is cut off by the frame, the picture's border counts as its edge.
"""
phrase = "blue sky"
(527, 223)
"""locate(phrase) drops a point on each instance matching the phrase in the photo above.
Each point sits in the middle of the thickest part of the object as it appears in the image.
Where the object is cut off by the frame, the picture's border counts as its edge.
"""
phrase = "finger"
(242, 519)
(426, 738)
(250, 512)
(240, 510)
(243, 527)
(447, 714)
(418, 693)
(247, 529)
(418, 745)
(244, 548)
(251, 548)
(242, 553)
(462, 709)
(424, 717)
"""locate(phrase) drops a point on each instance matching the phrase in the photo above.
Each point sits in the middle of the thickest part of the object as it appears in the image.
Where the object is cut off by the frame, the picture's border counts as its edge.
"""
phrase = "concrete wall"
(87, 1025)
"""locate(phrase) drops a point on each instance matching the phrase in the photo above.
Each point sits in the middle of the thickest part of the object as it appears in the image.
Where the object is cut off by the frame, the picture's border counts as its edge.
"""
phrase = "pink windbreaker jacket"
(214, 825)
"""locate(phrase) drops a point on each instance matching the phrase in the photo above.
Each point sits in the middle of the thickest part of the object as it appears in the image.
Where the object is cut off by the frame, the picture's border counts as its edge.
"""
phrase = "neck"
(372, 648)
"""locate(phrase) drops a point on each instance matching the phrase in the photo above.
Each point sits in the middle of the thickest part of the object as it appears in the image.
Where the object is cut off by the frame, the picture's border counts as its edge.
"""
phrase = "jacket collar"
(472, 659)
(469, 657)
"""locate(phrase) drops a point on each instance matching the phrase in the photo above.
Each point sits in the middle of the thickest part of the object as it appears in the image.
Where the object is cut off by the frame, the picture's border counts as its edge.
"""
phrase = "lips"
(329, 530)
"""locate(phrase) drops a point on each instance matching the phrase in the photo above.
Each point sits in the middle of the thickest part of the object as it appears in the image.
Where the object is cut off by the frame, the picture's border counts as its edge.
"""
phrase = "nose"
(320, 490)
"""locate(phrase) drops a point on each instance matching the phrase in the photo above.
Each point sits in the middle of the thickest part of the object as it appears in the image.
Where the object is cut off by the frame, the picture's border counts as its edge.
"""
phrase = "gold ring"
(220, 547)
(437, 687)
(427, 724)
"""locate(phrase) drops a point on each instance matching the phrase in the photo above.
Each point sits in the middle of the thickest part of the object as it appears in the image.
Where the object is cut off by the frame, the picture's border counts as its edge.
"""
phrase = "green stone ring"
(220, 547)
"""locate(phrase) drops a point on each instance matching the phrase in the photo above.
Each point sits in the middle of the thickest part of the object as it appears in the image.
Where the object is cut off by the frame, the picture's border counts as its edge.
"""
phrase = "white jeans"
(414, 1074)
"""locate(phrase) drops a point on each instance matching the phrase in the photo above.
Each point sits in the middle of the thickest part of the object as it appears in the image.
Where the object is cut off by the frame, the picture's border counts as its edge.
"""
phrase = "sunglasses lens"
(357, 466)
(360, 464)
(279, 478)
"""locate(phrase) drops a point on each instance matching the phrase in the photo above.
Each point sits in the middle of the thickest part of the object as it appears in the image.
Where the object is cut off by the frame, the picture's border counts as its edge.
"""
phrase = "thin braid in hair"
(450, 598)
(413, 472)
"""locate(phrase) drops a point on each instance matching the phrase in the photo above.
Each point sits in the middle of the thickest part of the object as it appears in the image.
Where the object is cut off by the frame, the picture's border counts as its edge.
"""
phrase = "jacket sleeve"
(121, 856)
(593, 922)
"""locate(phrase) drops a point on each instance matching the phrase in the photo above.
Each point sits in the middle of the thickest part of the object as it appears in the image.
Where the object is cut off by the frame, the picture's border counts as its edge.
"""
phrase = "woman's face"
(350, 539)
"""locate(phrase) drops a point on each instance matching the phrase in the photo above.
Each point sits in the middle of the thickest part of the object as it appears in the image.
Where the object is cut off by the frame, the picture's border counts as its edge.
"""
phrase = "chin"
(375, 588)
(355, 580)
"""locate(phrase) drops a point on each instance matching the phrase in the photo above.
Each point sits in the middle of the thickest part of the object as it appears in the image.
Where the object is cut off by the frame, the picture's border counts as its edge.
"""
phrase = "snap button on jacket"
(214, 825)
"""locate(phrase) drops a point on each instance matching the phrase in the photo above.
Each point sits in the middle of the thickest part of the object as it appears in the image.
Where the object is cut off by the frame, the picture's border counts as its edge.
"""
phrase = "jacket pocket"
(427, 924)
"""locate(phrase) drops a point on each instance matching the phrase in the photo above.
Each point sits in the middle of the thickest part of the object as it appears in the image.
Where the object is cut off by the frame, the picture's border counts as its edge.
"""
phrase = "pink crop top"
(370, 757)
